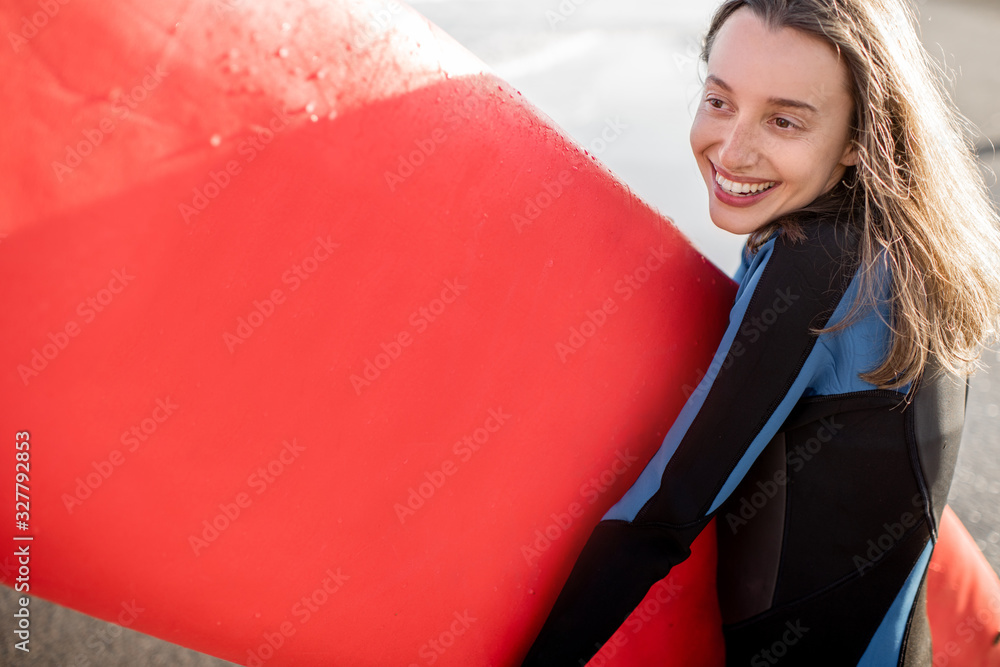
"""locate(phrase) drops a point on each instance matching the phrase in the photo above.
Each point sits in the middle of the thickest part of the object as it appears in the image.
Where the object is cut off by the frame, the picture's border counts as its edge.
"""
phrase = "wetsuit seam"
(913, 453)
(789, 508)
(825, 589)
(754, 297)
(848, 273)
(659, 524)
(822, 398)
(901, 661)
(786, 526)
(803, 358)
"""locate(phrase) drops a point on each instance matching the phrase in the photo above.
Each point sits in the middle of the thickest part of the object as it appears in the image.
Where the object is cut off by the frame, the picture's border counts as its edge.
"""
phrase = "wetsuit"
(827, 491)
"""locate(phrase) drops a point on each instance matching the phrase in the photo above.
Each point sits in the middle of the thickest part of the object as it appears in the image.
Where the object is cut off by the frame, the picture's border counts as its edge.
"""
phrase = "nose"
(739, 149)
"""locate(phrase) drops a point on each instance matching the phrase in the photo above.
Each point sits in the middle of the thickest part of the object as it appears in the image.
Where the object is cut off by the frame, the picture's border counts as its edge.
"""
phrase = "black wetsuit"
(827, 491)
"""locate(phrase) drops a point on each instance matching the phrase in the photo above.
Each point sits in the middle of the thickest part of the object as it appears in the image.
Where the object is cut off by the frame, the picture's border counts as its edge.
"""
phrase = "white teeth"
(741, 188)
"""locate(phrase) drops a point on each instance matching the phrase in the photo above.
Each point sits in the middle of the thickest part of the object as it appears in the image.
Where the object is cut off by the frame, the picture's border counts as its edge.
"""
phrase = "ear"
(850, 156)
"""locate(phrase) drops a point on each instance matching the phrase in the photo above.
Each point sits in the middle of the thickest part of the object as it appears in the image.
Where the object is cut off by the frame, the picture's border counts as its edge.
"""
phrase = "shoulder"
(809, 271)
(819, 239)
(822, 252)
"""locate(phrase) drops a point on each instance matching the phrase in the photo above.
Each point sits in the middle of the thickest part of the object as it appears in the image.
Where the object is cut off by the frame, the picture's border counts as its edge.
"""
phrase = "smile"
(741, 189)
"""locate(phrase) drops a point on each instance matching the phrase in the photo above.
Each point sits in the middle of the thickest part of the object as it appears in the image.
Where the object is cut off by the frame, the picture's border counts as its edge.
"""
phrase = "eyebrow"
(777, 101)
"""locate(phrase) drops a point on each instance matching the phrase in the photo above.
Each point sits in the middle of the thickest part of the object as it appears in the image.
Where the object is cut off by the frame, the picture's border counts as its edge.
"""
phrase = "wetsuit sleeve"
(760, 370)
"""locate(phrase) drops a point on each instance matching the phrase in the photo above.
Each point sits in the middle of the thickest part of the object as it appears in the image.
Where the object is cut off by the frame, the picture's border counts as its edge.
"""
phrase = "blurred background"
(633, 64)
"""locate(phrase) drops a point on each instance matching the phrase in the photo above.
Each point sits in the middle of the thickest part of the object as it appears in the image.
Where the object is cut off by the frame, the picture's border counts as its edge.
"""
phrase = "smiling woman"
(772, 131)
(822, 132)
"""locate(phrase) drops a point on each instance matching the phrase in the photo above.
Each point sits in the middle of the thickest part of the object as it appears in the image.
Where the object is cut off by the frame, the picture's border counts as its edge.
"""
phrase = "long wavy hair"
(916, 198)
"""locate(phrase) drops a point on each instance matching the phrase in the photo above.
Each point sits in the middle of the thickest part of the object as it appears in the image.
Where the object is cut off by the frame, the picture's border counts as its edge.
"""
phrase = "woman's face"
(773, 123)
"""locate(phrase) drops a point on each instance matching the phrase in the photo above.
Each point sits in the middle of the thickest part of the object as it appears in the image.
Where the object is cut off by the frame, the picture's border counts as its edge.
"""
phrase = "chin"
(734, 225)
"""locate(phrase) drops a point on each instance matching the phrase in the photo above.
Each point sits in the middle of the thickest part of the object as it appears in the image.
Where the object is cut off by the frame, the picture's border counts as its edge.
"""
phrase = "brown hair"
(916, 199)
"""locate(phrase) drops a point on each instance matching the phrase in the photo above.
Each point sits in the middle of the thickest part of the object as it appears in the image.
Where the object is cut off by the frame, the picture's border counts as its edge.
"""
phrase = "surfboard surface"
(329, 347)
(963, 594)
(323, 346)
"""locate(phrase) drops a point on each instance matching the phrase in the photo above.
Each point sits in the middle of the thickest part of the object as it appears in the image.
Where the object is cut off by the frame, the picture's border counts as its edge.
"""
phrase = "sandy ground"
(635, 61)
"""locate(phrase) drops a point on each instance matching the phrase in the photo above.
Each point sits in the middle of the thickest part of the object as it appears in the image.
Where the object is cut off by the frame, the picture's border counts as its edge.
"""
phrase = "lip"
(733, 200)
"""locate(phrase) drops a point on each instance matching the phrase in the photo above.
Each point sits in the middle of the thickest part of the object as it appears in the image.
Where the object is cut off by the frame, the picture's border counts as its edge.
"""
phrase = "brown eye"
(784, 123)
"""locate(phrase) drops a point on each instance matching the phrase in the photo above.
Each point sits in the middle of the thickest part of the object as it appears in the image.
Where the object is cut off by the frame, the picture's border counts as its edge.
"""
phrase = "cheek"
(699, 135)
(798, 164)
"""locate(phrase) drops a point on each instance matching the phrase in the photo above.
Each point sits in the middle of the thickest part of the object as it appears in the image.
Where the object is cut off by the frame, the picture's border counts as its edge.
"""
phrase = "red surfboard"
(323, 345)
(963, 599)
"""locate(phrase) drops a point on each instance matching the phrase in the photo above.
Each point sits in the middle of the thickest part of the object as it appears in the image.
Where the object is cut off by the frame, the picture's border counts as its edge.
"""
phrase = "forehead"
(756, 60)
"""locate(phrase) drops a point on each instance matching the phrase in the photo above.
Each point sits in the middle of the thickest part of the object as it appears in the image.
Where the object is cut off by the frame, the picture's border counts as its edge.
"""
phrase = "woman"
(825, 432)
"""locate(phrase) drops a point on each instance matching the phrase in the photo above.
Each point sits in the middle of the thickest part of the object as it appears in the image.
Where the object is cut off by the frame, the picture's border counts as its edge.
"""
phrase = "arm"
(762, 367)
